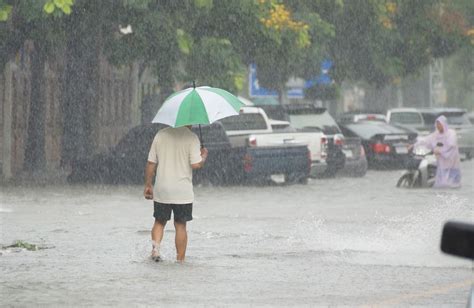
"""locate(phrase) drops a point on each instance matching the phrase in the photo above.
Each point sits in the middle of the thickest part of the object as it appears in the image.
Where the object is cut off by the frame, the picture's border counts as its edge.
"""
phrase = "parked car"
(288, 163)
(238, 164)
(354, 117)
(470, 115)
(423, 121)
(254, 129)
(310, 118)
(125, 163)
(385, 145)
(281, 126)
(356, 161)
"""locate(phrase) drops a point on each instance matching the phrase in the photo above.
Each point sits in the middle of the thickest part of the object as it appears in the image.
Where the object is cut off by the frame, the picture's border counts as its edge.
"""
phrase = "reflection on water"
(336, 241)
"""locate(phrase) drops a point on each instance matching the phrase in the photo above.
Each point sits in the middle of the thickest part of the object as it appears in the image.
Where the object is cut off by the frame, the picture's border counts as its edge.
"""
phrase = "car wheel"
(303, 180)
(296, 178)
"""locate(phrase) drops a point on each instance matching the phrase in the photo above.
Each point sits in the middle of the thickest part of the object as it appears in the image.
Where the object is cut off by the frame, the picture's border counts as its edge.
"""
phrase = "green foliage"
(203, 3)
(49, 7)
(323, 92)
(29, 21)
(214, 62)
(280, 57)
(185, 41)
(135, 4)
(5, 11)
(373, 40)
(62, 5)
(380, 41)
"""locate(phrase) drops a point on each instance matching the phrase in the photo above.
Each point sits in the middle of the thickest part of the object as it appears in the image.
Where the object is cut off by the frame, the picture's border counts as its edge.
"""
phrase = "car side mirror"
(458, 239)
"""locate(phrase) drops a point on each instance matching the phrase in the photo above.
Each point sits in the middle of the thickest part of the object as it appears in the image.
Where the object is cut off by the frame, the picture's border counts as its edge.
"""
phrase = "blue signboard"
(255, 90)
(323, 78)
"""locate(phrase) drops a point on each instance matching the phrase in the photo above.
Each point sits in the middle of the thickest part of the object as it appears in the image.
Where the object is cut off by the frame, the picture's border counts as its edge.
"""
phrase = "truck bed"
(259, 164)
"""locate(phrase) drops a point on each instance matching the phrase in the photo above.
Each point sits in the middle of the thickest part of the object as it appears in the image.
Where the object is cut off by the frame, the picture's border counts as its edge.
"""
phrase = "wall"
(119, 102)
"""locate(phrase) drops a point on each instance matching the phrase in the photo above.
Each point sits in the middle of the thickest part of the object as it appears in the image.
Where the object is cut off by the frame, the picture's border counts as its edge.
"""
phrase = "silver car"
(423, 121)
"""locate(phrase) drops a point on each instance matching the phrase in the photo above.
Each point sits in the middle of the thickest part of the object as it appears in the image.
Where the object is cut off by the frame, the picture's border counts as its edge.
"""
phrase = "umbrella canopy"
(201, 105)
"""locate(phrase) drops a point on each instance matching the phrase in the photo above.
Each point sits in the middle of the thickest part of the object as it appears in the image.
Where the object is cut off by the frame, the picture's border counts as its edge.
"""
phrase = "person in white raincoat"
(443, 143)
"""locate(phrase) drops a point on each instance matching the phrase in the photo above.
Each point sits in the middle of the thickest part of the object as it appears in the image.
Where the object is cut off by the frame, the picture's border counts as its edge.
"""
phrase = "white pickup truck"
(253, 128)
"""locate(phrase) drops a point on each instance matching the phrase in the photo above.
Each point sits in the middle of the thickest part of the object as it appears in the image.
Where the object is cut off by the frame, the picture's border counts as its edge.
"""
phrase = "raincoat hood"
(444, 122)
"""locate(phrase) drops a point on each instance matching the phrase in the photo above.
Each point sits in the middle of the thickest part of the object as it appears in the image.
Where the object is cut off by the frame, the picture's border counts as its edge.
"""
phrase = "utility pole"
(436, 84)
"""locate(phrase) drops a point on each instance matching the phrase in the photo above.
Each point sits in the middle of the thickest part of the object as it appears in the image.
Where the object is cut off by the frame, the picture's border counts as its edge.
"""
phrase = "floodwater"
(336, 242)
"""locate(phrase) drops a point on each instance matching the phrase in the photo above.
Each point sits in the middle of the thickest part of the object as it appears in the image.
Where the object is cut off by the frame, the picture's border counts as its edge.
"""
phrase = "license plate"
(348, 153)
(401, 150)
(278, 178)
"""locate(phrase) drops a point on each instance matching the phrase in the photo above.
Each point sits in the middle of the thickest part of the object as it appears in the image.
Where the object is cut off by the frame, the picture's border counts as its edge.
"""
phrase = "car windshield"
(412, 118)
(454, 118)
(245, 121)
(367, 130)
(315, 121)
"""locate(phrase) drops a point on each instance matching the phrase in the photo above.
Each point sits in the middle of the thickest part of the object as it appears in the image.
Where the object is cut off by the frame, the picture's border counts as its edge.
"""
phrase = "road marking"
(427, 293)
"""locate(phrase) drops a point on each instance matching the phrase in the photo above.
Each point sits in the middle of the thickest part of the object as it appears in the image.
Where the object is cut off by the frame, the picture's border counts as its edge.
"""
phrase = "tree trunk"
(35, 159)
(7, 157)
(282, 97)
(80, 88)
(152, 103)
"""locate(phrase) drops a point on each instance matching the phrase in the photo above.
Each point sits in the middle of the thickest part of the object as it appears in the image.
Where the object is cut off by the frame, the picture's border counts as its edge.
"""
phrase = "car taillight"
(380, 148)
(247, 163)
(338, 140)
(252, 141)
(324, 147)
(310, 160)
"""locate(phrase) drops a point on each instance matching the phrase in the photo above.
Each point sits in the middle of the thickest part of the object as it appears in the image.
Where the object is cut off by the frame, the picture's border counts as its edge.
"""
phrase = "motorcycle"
(421, 170)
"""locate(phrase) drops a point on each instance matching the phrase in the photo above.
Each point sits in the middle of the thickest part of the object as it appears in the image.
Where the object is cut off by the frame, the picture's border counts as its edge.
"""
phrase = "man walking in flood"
(174, 153)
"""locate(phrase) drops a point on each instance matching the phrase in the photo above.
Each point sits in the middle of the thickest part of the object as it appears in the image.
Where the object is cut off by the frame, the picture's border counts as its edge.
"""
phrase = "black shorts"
(181, 212)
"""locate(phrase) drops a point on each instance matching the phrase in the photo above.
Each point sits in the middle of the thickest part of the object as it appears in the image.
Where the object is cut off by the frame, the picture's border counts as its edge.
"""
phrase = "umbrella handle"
(200, 137)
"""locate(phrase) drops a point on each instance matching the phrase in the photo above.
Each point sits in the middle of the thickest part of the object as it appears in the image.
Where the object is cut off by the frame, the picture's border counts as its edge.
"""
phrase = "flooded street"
(348, 242)
(98, 97)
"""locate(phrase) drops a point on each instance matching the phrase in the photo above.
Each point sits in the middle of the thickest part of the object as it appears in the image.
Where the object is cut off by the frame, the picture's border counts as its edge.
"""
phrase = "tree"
(212, 42)
(459, 69)
(281, 45)
(156, 41)
(38, 22)
(380, 41)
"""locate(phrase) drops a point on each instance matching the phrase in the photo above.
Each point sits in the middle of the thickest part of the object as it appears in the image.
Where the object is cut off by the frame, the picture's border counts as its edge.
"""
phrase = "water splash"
(411, 240)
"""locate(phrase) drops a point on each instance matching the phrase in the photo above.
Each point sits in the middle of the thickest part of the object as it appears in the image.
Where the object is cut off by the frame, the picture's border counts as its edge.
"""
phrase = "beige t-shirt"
(174, 150)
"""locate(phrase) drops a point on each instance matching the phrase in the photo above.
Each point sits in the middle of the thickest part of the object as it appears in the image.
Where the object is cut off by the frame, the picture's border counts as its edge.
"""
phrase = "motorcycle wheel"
(406, 181)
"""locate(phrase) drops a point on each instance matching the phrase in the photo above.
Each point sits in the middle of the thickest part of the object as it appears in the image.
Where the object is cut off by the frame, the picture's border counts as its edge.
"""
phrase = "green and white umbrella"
(201, 105)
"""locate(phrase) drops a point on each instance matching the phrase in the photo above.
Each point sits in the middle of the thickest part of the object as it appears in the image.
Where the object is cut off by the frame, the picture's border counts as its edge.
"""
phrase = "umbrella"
(197, 105)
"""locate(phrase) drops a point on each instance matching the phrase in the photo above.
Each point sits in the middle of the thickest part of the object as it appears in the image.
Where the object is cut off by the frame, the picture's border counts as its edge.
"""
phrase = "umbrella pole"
(200, 136)
(200, 132)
